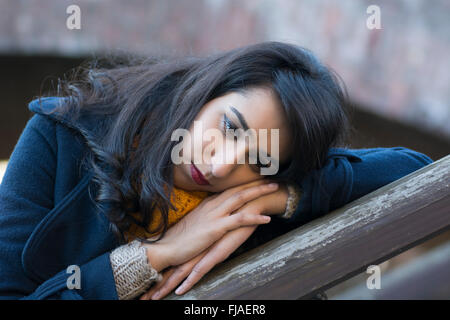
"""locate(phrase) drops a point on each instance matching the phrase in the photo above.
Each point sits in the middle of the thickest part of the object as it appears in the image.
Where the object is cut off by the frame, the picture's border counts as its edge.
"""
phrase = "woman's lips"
(197, 176)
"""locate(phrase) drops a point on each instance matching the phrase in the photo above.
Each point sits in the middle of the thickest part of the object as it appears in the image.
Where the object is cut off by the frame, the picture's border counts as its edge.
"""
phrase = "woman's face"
(257, 109)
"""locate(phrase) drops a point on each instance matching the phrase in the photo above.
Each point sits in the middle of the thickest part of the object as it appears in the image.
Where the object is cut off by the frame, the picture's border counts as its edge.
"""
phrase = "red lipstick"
(197, 176)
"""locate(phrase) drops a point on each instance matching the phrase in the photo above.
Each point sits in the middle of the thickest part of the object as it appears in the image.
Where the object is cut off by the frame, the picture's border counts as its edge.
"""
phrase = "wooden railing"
(316, 256)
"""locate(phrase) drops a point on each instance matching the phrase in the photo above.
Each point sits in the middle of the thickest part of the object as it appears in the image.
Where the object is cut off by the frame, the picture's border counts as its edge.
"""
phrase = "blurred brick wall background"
(399, 71)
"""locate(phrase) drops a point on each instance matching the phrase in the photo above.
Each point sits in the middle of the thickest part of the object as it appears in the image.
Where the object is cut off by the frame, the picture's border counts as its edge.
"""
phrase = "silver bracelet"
(133, 273)
(294, 195)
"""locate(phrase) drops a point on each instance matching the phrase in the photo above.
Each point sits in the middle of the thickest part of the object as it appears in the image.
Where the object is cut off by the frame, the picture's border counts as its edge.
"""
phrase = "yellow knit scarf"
(183, 201)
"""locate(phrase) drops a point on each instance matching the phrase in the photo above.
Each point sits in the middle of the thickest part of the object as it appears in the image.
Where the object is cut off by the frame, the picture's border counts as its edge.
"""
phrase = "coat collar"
(51, 107)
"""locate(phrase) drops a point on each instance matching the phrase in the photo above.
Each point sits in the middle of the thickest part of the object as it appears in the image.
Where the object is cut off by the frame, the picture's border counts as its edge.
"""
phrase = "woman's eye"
(228, 125)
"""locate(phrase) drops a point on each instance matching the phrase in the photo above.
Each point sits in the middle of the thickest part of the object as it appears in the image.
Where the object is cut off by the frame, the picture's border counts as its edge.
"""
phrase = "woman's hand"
(273, 203)
(196, 268)
(207, 223)
(172, 278)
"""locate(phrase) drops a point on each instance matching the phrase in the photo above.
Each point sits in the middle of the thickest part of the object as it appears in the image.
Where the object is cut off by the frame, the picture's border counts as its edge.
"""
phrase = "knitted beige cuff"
(132, 271)
(294, 195)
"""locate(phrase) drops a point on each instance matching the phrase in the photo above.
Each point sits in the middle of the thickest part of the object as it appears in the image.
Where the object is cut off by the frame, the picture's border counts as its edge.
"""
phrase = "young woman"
(93, 205)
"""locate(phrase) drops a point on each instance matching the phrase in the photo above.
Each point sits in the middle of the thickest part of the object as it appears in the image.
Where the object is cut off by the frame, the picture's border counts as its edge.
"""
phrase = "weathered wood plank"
(339, 245)
(427, 277)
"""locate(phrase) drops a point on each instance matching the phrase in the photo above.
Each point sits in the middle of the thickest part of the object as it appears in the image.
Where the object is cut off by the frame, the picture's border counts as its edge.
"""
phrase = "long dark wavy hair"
(149, 97)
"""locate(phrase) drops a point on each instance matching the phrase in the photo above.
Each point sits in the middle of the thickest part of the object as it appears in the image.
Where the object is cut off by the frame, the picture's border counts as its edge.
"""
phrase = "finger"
(216, 254)
(229, 192)
(180, 273)
(149, 293)
(200, 269)
(175, 279)
(212, 197)
(238, 199)
(195, 275)
(165, 276)
(242, 219)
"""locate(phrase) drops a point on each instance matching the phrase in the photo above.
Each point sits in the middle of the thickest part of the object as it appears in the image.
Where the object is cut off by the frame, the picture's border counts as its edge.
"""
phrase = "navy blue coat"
(48, 221)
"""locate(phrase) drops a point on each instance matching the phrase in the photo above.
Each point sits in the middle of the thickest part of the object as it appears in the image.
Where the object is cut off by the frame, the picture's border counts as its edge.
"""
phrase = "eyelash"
(227, 124)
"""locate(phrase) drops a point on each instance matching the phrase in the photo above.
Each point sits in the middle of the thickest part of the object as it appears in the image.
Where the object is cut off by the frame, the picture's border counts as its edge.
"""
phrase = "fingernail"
(155, 295)
(266, 218)
(179, 290)
(273, 185)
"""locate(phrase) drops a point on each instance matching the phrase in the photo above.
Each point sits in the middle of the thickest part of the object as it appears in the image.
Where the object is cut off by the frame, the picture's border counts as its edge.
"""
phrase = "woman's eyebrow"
(240, 118)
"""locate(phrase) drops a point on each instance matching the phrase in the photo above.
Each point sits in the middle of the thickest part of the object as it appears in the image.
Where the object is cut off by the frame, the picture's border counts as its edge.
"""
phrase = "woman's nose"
(223, 162)
(221, 170)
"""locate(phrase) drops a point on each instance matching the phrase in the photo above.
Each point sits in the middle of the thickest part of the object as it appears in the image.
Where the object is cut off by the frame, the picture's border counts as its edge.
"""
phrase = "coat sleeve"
(26, 196)
(349, 174)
